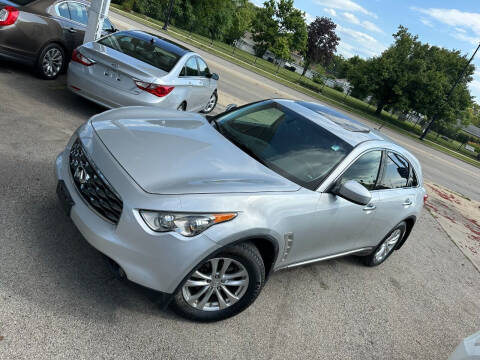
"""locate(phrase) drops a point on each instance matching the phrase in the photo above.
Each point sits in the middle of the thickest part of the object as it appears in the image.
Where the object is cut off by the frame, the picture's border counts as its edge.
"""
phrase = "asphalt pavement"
(58, 299)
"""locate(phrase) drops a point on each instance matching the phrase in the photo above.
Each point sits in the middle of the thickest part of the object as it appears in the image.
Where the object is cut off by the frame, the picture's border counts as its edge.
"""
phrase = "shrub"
(338, 87)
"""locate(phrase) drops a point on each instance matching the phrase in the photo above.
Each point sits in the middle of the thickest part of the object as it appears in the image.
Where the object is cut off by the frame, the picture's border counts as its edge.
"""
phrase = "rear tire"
(386, 246)
(51, 62)
(224, 298)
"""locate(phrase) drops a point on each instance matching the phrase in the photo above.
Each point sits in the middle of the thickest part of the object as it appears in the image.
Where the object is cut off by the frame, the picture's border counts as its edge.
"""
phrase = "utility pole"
(427, 129)
(169, 14)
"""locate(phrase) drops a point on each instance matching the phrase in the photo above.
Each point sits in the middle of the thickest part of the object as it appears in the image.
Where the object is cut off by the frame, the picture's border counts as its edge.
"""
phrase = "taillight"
(155, 89)
(425, 198)
(81, 59)
(8, 15)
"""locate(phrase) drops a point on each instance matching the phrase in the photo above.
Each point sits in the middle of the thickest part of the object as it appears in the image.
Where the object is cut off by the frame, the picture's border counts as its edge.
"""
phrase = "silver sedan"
(131, 68)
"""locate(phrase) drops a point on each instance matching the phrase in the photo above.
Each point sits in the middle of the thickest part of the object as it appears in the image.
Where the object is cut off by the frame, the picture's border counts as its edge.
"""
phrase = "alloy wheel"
(52, 62)
(211, 103)
(216, 284)
(387, 246)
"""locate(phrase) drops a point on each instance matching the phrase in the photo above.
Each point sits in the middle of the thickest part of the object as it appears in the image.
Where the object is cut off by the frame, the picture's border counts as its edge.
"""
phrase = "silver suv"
(202, 209)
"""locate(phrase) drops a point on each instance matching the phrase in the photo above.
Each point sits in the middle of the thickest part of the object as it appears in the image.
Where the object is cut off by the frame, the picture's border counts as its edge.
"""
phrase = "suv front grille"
(93, 186)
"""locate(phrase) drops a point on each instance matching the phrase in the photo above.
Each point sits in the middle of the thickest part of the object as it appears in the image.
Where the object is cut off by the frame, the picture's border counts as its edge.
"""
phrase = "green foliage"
(411, 76)
(279, 19)
(321, 42)
(241, 22)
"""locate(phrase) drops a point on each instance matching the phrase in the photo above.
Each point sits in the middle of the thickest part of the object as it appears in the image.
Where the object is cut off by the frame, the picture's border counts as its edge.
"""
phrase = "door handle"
(72, 30)
(407, 202)
(369, 207)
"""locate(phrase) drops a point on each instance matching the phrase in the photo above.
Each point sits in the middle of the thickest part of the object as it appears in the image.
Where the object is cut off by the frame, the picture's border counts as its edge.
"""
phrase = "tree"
(242, 21)
(358, 73)
(322, 42)
(279, 20)
(281, 49)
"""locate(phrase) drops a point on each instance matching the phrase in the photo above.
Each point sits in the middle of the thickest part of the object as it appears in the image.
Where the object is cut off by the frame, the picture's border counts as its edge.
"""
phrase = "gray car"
(136, 68)
(43, 33)
(203, 209)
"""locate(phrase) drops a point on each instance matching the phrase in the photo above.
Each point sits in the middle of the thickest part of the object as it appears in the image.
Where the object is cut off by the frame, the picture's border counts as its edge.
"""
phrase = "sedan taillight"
(8, 15)
(155, 89)
(81, 59)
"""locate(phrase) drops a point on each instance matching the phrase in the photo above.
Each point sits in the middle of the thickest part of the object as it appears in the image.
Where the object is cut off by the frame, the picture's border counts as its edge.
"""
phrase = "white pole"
(97, 12)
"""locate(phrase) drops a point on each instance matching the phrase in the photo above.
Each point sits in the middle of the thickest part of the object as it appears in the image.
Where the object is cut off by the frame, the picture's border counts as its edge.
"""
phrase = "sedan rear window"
(142, 50)
(286, 142)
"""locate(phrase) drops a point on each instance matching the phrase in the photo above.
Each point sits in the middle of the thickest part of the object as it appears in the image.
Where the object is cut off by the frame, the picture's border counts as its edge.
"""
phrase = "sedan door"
(78, 23)
(208, 83)
(192, 84)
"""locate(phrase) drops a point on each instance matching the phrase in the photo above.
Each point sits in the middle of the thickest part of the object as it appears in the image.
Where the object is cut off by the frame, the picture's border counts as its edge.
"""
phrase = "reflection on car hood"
(173, 152)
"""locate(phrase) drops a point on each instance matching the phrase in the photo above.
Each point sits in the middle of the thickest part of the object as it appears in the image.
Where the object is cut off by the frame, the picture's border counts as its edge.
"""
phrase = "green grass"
(305, 85)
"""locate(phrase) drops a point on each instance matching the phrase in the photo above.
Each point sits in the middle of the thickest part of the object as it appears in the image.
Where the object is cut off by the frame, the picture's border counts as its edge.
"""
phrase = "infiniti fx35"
(137, 68)
(203, 209)
(43, 33)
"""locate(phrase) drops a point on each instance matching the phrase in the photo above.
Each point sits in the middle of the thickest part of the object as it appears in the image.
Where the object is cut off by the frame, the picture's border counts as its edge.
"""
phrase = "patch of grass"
(304, 85)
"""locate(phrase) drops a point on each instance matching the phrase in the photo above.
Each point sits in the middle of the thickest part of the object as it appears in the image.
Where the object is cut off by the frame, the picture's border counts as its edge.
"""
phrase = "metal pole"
(97, 12)
(169, 14)
(427, 129)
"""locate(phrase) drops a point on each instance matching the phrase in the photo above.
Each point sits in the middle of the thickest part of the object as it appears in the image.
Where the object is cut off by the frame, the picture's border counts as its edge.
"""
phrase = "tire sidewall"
(256, 275)
(370, 260)
(216, 100)
(39, 68)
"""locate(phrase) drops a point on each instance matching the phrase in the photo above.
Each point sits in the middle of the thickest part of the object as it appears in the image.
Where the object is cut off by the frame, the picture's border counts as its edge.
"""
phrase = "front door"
(339, 225)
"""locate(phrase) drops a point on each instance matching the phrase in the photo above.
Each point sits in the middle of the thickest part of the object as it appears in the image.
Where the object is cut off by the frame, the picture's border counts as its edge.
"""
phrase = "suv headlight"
(187, 224)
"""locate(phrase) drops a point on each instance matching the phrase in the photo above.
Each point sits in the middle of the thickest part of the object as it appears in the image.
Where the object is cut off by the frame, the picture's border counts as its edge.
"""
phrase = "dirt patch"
(459, 217)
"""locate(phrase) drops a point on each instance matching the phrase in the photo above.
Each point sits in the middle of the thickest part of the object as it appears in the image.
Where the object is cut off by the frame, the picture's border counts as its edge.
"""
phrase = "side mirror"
(214, 76)
(354, 191)
(111, 30)
(230, 107)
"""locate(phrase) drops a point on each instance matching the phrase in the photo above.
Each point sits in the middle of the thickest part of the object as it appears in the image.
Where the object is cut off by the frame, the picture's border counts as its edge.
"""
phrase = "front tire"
(222, 286)
(387, 246)
(212, 102)
(51, 62)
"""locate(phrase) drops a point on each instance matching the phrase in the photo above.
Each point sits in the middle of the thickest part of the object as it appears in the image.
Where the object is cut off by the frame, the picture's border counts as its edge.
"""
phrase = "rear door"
(72, 17)
(398, 192)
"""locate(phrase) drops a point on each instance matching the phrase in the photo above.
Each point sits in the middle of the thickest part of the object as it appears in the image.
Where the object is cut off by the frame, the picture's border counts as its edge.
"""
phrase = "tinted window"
(203, 68)
(284, 141)
(62, 10)
(78, 12)
(396, 173)
(365, 169)
(191, 68)
(142, 50)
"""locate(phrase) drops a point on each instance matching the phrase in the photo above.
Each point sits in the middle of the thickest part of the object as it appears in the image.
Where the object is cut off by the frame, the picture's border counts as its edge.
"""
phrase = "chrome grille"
(93, 186)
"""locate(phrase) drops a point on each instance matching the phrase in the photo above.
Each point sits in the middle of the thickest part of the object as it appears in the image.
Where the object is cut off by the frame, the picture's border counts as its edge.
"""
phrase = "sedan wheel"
(211, 104)
(51, 62)
(386, 247)
(222, 286)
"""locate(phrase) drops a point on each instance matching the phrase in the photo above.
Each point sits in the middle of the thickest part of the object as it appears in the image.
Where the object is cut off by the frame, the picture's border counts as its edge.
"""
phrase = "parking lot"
(58, 299)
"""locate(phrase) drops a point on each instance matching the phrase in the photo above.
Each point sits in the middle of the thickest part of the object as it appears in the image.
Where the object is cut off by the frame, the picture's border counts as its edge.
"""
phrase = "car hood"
(173, 152)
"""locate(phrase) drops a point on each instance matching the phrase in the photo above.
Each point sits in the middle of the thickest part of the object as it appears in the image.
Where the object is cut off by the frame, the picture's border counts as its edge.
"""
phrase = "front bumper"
(159, 261)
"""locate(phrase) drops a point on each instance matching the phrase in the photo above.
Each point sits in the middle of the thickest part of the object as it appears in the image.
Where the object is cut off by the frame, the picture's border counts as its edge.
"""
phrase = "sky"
(366, 26)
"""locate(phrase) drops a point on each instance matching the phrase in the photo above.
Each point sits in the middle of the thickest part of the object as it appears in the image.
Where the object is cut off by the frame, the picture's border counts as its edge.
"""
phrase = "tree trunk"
(305, 67)
(380, 107)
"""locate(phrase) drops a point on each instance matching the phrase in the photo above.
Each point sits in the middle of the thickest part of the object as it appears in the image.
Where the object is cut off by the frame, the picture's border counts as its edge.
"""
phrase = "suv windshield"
(284, 141)
(142, 50)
